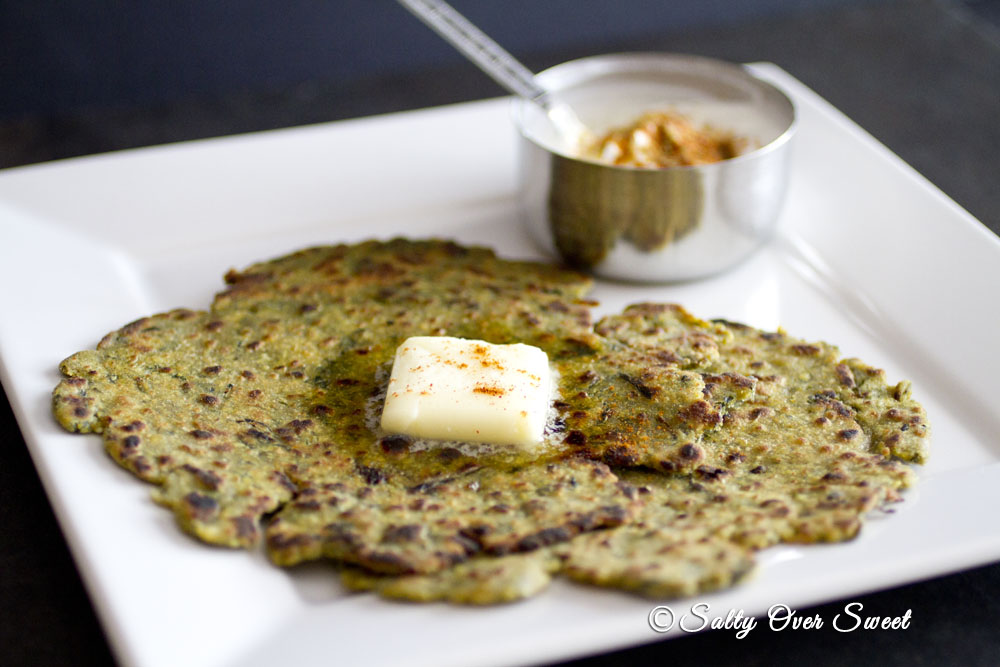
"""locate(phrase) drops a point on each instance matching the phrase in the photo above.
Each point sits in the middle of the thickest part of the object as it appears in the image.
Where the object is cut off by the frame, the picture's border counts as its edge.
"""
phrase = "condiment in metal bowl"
(655, 224)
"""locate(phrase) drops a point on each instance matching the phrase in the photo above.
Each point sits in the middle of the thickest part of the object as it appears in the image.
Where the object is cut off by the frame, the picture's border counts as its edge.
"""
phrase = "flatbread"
(479, 581)
(259, 407)
(723, 390)
(680, 446)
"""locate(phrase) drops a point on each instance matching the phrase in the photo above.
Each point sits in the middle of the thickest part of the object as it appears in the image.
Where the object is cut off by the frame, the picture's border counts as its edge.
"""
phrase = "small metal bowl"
(655, 225)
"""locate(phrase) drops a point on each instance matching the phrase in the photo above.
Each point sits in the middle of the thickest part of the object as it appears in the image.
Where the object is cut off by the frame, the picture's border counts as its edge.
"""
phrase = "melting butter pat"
(447, 388)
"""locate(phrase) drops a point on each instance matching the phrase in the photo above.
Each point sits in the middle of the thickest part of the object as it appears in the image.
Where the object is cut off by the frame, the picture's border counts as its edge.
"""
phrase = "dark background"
(63, 56)
(76, 78)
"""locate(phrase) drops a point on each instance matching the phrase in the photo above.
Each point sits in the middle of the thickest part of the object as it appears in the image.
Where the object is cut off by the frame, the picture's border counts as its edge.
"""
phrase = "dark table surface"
(922, 77)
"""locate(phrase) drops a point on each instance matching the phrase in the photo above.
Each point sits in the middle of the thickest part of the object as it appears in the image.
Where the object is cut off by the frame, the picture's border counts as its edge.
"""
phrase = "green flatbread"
(680, 447)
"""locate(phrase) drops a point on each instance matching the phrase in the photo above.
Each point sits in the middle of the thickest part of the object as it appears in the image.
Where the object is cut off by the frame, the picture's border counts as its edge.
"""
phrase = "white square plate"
(869, 255)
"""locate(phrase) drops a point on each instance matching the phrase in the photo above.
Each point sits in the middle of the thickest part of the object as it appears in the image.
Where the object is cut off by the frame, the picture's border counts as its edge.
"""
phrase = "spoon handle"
(478, 47)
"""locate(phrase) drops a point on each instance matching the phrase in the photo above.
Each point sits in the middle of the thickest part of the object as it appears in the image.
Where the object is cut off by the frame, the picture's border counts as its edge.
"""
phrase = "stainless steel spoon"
(504, 68)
